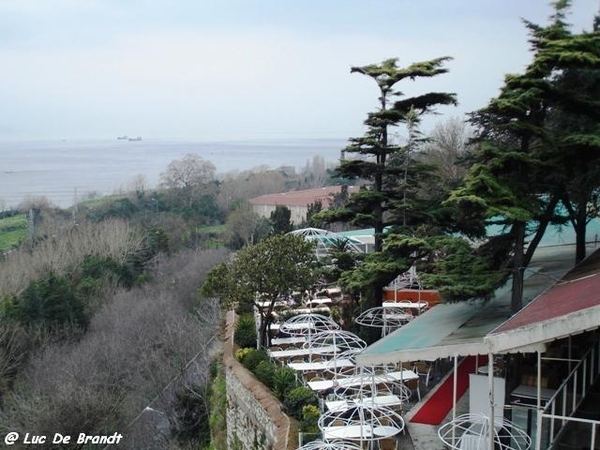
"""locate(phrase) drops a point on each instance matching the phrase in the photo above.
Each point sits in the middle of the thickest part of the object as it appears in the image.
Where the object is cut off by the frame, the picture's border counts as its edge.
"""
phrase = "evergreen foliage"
(253, 358)
(49, 302)
(281, 220)
(274, 267)
(284, 380)
(389, 169)
(265, 372)
(520, 170)
(245, 331)
(298, 398)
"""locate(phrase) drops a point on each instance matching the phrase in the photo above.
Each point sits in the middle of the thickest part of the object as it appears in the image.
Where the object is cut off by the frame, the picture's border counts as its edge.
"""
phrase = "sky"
(232, 70)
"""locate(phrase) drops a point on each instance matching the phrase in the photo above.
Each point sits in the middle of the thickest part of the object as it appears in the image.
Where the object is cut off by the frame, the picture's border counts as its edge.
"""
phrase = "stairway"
(577, 435)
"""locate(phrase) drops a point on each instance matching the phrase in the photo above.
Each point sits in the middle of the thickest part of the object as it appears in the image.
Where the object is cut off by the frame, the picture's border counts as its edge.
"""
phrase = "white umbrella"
(361, 423)
(329, 445)
(473, 431)
(388, 319)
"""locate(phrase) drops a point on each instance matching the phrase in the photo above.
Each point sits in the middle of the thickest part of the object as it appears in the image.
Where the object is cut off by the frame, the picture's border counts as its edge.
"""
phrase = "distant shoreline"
(58, 169)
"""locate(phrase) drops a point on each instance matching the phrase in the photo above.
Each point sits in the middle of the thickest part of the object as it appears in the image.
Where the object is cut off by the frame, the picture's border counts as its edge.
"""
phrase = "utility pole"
(31, 226)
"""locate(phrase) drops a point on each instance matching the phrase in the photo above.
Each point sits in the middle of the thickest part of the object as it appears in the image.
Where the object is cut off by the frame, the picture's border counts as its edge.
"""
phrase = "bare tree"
(142, 342)
(65, 249)
(138, 184)
(447, 148)
(314, 174)
(188, 178)
(237, 187)
(244, 224)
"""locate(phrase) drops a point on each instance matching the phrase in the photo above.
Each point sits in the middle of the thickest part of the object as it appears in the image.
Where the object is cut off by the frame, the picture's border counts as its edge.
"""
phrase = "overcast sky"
(243, 69)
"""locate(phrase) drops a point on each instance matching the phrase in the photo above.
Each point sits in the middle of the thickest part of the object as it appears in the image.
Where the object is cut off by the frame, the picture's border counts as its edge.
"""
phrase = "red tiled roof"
(563, 298)
(301, 198)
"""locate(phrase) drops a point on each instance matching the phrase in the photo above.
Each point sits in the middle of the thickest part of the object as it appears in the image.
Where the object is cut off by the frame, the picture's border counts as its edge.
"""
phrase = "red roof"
(563, 298)
(301, 198)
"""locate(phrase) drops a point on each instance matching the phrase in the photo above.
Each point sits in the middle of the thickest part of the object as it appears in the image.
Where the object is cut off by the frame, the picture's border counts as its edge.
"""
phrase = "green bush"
(283, 381)
(298, 398)
(310, 418)
(122, 208)
(265, 372)
(245, 331)
(244, 308)
(50, 302)
(241, 353)
(254, 358)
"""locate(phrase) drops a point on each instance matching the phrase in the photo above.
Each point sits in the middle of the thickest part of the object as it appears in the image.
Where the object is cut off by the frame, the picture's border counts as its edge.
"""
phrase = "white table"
(384, 431)
(277, 304)
(293, 326)
(352, 432)
(298, 311)
(360, 432)
(401, 317)
(380, 400)
(527, 395)
(328, 349)
(419, 306)
(358, 380)
(321, 365)
(485, 370)
(288, 340)
(319, 301)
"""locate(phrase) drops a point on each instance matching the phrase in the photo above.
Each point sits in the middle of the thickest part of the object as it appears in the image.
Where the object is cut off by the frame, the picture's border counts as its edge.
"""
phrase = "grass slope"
(13, 230)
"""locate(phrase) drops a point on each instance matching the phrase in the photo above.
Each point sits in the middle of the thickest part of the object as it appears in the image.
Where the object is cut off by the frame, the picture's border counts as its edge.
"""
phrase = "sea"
(66, 171)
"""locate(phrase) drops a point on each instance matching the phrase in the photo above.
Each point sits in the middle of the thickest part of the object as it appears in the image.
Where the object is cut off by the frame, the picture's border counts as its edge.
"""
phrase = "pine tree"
(385, 165)
(509, 185)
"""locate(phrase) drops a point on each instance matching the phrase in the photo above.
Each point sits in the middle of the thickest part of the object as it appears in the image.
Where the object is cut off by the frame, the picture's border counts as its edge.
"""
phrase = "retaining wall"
(255, 417)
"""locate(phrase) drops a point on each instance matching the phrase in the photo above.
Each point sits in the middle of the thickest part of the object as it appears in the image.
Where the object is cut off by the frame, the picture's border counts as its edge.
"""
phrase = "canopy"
(571, 306)
(326, 239)
(460, 329)
(440, 332)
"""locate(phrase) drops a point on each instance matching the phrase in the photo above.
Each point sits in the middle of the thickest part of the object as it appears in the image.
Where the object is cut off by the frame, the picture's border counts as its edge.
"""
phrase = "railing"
(558, 412)
(306, 437)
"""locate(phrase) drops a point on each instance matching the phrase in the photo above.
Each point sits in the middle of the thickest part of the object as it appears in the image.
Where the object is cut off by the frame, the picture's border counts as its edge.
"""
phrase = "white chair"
(423, 369)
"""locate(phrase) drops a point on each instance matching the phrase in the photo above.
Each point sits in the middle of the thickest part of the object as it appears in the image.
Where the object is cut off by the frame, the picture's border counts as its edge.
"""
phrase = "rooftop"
(301, 198)
(459, 329)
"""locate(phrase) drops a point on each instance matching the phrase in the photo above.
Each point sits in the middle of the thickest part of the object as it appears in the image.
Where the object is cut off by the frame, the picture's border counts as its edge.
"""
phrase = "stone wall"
(255, 417)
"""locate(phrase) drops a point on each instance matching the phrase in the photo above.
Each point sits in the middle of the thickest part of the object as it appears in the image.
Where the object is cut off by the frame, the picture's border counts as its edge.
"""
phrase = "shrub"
(265, 372)
(283, 381)
(50, 302)
(241, 353)
(254, 358)
(245, 331)
(121, 208)
(298, 398)
(310, 418)
(244, 308)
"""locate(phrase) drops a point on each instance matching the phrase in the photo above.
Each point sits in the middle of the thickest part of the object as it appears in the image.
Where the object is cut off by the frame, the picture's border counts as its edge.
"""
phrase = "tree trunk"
(516, 301)
(263, 333)
(580, 226)
(265, 320)
(539, 234)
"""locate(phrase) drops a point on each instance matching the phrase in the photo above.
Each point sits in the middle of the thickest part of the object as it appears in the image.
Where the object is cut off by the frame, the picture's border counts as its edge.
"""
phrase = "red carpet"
(433, 411)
